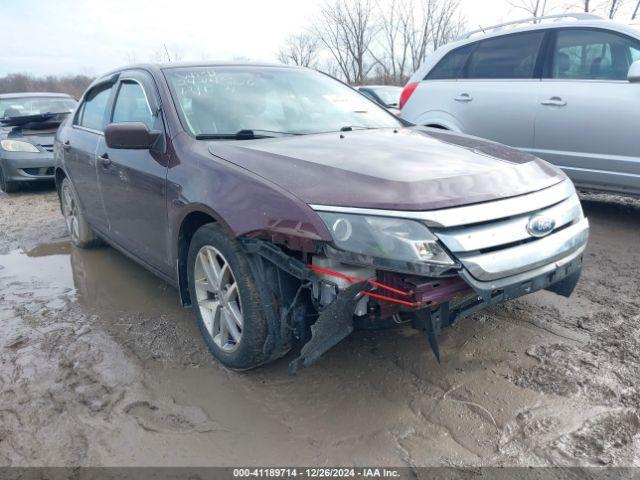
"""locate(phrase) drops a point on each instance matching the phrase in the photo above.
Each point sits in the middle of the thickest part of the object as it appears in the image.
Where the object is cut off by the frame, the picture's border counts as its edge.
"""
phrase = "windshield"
(389, 95)
(24, 106)
(221, 101)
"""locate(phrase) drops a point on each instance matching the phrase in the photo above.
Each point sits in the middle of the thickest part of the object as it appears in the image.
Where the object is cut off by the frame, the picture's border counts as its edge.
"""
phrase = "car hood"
(392, 169)
(37, 137)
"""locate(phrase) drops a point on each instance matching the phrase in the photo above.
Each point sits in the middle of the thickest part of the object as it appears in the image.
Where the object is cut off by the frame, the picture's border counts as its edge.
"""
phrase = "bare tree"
(446, 22)
(393, 41)
(436, 23)
(301, 49)
(385, 40)
(606, 8)
(536, 8)
(346, 29)
(166, 54)
(614, 7)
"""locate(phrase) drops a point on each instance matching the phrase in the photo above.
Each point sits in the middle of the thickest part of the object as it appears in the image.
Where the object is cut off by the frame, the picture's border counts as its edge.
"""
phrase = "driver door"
(133, 181)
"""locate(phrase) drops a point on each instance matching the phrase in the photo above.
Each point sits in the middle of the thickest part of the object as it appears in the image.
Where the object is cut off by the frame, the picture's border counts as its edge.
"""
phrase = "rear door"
(496, 95)
(133, 181)
(80, 151)
(433, 102)
(588, 113)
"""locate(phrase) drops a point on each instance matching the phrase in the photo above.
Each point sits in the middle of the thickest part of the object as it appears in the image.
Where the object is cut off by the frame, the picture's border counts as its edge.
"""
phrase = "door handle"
(105, 160)
(66, 146)
(554, 102)
(463, 97)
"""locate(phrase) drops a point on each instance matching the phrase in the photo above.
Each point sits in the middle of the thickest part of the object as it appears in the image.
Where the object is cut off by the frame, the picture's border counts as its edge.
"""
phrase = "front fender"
(246, 204)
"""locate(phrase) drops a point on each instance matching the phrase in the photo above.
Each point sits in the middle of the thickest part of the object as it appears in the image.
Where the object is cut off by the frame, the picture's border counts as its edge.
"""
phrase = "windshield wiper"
(248, 134)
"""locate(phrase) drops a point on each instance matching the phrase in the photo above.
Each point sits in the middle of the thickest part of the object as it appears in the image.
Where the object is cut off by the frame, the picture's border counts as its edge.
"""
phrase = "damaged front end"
(427, 268)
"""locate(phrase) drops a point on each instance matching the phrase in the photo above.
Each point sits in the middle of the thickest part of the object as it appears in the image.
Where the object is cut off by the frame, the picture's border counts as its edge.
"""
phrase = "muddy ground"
(99, 366)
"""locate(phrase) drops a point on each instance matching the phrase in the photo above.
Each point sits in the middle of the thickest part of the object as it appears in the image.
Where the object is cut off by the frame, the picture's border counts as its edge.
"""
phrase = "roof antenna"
(166, 51)
(480, 26)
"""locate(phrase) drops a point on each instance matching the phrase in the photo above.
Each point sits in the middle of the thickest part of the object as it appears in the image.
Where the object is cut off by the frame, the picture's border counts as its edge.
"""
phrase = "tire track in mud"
(600, 373)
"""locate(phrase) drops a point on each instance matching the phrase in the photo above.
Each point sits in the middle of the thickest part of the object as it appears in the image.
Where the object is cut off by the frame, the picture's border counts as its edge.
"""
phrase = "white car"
(567, 91)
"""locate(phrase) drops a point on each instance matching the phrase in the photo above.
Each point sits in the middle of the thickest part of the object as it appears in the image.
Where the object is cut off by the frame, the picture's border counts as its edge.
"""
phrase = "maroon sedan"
(287, 208)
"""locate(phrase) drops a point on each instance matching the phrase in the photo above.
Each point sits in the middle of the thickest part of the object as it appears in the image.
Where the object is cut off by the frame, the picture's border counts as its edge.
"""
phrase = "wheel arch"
(196, 217)
(60, 175)
(439, 119)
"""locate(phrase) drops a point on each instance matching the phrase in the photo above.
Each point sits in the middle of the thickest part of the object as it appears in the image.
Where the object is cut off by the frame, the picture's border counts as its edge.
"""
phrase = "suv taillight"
(406, 93)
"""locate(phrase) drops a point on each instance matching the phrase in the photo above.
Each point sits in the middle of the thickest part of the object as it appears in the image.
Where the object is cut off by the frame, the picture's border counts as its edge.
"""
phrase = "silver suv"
(567, 91)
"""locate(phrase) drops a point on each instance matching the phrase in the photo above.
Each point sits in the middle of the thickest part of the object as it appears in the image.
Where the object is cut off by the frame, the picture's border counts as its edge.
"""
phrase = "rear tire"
(226, 300)
(82, 236)
(5, 185)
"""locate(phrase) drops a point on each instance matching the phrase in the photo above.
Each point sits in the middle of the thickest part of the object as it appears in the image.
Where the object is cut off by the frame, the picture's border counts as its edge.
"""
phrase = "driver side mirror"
(130, 135)
(634, 72)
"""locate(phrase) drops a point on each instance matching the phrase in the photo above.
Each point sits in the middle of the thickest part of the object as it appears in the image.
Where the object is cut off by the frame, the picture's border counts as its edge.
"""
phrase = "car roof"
(432, 59)
(158, 66)
(34, 94)
(499, 32)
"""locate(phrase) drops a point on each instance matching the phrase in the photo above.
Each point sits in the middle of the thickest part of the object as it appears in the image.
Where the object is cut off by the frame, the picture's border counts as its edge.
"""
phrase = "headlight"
(385, 238)
(18, 146)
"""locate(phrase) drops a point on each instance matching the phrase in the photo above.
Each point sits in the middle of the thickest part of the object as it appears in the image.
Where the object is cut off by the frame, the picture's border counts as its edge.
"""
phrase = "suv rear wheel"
(226, 300)
(81, 234)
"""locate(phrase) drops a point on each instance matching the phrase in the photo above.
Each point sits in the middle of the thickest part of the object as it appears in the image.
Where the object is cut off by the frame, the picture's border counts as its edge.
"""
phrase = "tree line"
(365, 41)
(74, 85)
(618, 9)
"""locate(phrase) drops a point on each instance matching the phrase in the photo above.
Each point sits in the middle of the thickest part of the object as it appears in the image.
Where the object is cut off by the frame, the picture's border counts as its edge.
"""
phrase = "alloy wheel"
(70, 211)
(218, 298)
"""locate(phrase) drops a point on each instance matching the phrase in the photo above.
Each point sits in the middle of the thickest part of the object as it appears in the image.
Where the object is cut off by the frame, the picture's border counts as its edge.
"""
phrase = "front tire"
(5, 185)
(82, 236)
(225, 299)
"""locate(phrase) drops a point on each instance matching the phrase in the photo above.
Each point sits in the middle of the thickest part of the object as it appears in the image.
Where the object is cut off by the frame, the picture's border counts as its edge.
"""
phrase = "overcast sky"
(46, 37)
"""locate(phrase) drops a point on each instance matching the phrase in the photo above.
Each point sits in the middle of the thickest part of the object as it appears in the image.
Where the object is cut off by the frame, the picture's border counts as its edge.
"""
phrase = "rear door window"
(450, 67)
(93, 110)
(590, 54)
(508, 57)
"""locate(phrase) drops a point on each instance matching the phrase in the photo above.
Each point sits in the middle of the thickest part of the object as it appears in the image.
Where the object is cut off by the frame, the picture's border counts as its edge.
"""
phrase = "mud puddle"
(100, 366)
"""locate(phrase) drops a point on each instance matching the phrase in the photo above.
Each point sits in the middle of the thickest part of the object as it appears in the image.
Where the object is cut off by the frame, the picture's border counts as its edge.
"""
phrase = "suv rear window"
(507, 57)
(450, 67)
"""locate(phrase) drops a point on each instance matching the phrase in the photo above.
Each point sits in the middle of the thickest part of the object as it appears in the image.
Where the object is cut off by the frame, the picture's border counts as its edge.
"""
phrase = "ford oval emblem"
(540, 225)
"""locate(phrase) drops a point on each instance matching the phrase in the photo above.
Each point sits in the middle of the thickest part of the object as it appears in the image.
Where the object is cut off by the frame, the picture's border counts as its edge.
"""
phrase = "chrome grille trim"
(510, 261)
(504, 232)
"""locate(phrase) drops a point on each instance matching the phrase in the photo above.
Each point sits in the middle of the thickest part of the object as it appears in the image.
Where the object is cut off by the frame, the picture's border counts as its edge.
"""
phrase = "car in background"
(287, 208)
(567, 91)
(28, 122)
(386, 95)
